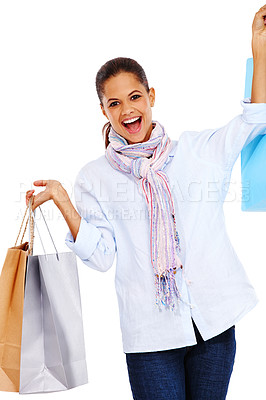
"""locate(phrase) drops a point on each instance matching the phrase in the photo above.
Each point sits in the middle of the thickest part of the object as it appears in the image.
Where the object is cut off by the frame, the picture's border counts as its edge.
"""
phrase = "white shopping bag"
(53, 354)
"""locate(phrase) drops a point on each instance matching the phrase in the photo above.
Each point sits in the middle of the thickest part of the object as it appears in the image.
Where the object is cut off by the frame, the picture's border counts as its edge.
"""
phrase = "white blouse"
(215, 289)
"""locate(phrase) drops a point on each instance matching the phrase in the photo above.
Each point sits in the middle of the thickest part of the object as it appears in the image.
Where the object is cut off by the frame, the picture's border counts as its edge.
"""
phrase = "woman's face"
(127, 105)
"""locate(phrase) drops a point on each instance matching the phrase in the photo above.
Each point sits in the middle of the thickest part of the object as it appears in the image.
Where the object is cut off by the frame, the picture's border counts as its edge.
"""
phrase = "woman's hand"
(259, 32)
(53, 191)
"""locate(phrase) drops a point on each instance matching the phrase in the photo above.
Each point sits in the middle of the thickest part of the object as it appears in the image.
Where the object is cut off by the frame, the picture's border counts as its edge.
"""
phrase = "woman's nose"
(127, 109)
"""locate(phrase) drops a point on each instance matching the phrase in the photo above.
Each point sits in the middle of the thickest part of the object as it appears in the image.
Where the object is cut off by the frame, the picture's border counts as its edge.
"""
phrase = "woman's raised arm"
(258, 94)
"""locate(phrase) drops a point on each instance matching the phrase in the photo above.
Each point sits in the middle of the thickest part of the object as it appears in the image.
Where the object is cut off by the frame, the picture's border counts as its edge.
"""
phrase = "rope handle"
(31, 230)
(22, 226)
(31, 218)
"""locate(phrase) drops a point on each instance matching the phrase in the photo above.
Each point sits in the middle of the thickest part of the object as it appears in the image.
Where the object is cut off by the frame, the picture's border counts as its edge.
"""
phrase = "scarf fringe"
(167, 293)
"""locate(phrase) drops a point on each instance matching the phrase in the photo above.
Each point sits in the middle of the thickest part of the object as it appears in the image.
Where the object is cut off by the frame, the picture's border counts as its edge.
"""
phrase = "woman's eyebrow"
(128, 95)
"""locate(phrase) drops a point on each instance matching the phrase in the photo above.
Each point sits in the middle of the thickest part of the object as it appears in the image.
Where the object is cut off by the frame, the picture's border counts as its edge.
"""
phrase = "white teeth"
(129, 121)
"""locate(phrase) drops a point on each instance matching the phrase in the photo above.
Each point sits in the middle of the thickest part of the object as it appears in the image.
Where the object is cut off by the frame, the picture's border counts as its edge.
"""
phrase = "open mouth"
(133, 125)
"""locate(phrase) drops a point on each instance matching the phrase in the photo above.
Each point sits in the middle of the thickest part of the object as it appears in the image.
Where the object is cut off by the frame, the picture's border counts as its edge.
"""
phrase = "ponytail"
(105, 132)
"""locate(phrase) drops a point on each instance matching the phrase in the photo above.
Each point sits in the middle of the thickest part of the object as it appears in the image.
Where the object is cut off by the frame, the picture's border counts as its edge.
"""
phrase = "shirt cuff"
(86, 241)
(253, 113)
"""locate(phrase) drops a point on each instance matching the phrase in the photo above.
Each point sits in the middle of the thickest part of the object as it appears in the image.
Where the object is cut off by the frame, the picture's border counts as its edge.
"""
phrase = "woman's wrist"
(60, 195)
(259, 48)
(70, 214)
(258, 94)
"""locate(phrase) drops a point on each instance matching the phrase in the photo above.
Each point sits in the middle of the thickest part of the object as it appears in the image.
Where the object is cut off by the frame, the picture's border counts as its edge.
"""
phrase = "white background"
(194, 54)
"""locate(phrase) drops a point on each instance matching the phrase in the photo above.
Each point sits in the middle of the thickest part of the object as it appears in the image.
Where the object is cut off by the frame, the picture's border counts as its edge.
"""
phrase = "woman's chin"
(133, 137)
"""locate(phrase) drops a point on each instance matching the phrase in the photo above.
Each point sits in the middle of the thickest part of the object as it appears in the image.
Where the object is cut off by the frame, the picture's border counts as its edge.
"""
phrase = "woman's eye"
(114, 103)
(135, 96)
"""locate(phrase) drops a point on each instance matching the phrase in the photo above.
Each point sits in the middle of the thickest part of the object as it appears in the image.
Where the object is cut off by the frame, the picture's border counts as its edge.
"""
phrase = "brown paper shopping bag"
(12, 282)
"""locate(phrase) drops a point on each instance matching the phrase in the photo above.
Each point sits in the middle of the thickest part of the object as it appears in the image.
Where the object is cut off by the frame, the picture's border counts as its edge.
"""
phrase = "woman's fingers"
(262, 12)
(37, 200)
(259, 26)
(29, 193)
(28, 199)
(40, 183)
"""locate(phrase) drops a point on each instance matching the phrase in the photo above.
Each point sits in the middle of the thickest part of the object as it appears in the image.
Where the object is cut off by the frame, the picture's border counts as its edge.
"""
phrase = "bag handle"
(31, 217)
(33, 214)
(21, 227)
(31, 227)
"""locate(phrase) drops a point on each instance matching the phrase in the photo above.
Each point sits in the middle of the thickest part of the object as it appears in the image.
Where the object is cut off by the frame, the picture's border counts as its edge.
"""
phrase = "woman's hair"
(112, 68)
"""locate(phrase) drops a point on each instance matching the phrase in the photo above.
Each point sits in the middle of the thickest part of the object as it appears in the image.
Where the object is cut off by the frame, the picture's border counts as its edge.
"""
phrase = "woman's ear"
(103, 111)
(152, 96)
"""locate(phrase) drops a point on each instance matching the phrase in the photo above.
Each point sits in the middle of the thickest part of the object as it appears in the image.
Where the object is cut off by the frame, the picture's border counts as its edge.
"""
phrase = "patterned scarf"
(144, 161)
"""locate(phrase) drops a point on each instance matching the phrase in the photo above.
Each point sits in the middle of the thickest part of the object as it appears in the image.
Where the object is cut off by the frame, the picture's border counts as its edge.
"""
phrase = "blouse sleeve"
(222, 146)
(95, 243)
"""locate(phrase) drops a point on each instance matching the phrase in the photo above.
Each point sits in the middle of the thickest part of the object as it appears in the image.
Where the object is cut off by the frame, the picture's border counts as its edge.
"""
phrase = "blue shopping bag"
(253, 163)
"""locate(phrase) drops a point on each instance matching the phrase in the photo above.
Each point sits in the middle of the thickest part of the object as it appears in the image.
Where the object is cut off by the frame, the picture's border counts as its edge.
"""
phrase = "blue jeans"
(198, 372)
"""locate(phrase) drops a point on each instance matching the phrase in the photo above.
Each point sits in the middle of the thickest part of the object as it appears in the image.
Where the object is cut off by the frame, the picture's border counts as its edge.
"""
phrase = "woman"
(180, 286)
